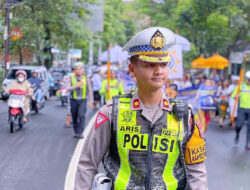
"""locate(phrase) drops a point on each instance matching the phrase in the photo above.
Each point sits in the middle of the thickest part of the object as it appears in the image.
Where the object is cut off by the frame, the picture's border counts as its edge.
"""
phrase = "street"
(38, 156)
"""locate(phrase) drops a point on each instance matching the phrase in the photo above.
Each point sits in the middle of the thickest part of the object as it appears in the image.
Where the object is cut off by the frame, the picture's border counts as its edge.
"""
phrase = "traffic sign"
(15, 34)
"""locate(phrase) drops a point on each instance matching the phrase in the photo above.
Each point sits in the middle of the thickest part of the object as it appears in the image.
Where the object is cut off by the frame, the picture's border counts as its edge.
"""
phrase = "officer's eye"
(150, 65)
(164, 65)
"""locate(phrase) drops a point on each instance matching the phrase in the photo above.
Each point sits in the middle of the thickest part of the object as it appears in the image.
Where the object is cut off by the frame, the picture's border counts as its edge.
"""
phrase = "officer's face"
(34, 75)
(149, 75)
(78, 72)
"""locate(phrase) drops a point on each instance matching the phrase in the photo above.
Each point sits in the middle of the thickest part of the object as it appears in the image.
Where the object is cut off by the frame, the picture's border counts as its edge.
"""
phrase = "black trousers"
(243, 115)
(78, 111)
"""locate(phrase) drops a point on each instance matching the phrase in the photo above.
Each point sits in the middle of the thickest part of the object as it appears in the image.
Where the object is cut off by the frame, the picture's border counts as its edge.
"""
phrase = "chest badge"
(136, 104)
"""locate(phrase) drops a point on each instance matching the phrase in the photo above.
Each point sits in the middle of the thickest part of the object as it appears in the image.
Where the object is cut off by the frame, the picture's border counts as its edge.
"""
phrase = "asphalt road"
(38, 156)
(228, 166)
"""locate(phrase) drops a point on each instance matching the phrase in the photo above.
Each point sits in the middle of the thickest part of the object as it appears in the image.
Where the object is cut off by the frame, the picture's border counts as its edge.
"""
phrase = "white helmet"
(247, 75)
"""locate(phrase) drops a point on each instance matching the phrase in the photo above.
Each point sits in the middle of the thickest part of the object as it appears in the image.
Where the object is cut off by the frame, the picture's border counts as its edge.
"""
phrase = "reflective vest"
(83, 87)
(115, 88)
(245, 96)
(143, 155)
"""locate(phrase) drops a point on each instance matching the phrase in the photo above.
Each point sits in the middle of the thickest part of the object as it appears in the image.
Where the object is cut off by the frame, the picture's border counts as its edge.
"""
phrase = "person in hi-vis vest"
(243, 109)
(79, 86)
(115, 88)
(145, 140)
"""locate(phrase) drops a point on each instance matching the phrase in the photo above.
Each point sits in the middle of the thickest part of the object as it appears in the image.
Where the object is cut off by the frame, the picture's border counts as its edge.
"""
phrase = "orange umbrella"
(217, 62)
(199, 63)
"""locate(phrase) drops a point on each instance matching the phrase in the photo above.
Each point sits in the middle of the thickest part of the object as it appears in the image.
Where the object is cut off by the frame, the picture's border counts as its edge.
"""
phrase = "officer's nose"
(158, 70)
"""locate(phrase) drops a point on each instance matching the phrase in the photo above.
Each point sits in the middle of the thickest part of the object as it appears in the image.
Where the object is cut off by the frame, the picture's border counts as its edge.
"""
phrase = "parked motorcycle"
(34, 102)
(16, 104)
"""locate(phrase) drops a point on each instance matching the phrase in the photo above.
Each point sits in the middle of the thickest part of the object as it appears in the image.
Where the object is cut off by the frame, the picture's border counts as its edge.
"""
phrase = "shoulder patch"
(100, 119)
(195, 149)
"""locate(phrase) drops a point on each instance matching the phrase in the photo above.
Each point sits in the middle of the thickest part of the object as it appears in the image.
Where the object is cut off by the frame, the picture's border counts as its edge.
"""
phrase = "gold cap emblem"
(158, 41)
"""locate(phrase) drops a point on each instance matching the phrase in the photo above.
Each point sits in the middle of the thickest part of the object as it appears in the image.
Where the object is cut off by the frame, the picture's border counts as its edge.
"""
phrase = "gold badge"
(158, 41)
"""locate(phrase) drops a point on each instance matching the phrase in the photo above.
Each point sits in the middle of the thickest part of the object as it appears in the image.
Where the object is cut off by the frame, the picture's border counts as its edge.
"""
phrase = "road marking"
(70, 176)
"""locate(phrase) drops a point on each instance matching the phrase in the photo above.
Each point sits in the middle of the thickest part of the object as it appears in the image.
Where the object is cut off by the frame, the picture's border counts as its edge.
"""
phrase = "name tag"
(135, 141)
(163, 144)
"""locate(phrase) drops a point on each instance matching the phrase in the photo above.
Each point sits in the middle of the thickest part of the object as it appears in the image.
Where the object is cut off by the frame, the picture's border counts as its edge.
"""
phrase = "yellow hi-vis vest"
(244, 96)
(162, 142)
(116, 88)
(84, 86)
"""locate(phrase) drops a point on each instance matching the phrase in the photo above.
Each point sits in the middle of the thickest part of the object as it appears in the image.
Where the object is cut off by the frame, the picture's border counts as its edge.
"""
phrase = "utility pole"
(6, 38)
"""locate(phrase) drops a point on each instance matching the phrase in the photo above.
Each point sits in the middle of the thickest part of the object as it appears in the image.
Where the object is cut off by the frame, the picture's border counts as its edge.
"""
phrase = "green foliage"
(211, 25)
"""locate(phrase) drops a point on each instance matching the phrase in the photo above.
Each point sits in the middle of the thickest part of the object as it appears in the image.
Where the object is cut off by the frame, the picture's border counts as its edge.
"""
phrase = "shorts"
(97, 96)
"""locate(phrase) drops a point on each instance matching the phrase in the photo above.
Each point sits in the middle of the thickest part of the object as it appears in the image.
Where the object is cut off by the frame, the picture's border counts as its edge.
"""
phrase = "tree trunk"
(47, 48)
(20, 54)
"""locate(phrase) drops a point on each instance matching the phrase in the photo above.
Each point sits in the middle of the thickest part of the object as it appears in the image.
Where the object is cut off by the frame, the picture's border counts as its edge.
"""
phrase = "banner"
(176, 65)
(207, 95)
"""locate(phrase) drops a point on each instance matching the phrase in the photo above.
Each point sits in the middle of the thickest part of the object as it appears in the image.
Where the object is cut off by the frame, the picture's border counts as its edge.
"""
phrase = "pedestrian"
(51, 84)
(96, 84)
(243, 109)
(171, 91)
(185, 83)
(206, 95)
(233, 108)
(223, 99)
(67, 80)
(79, 86)
(37, 82)
(150, 143)
(115, 88)
(21, 83)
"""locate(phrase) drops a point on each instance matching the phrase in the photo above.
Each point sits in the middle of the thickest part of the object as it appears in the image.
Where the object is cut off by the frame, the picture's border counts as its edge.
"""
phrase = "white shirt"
(96, 82)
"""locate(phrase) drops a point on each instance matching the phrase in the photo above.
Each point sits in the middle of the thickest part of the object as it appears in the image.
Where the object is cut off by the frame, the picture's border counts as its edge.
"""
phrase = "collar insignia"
(157, 41)
(165, 103)
(136, 103)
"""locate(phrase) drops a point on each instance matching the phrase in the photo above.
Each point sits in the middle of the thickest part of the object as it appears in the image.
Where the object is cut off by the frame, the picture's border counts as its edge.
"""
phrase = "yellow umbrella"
(199, 63)
(217, 62)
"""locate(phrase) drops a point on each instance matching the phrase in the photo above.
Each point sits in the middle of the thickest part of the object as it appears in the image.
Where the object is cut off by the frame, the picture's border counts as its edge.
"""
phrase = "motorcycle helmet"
(34, 71)
(21, 72)
(247, 75)
(21, 79)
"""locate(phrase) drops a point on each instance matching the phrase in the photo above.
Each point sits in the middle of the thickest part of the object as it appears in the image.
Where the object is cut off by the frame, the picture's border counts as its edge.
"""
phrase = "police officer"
(79, 86)
(115, 88)
(145, 140)
(243, 109)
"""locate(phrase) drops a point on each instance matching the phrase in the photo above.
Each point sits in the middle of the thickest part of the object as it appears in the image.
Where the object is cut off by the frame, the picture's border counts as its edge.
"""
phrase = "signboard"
(236, 57)
(75, 53)
(95, 18)
(15, 34)
(176, 65)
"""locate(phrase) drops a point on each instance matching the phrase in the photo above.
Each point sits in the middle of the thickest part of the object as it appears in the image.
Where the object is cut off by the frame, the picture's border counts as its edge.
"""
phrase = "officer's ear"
(132, 68)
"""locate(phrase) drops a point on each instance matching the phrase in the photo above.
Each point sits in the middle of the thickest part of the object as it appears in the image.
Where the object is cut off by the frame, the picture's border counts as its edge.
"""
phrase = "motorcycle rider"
(145, 140)
(37, 81)
(22, 84)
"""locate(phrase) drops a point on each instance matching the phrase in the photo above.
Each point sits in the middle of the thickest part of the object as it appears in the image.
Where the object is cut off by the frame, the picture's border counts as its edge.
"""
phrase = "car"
(42, 73)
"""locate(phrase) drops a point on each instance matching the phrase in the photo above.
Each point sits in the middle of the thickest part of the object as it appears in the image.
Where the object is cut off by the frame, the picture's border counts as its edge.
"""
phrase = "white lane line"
(70, 176)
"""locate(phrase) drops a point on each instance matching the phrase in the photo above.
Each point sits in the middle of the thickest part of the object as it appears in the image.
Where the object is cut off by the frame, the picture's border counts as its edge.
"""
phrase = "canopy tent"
(216, 62)
(183, 42)
(199, 63)
(116, 55)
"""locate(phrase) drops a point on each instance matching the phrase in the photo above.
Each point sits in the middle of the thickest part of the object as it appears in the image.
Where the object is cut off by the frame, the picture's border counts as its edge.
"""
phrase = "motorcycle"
(33, 100)
(16, 104)
(64, 96)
